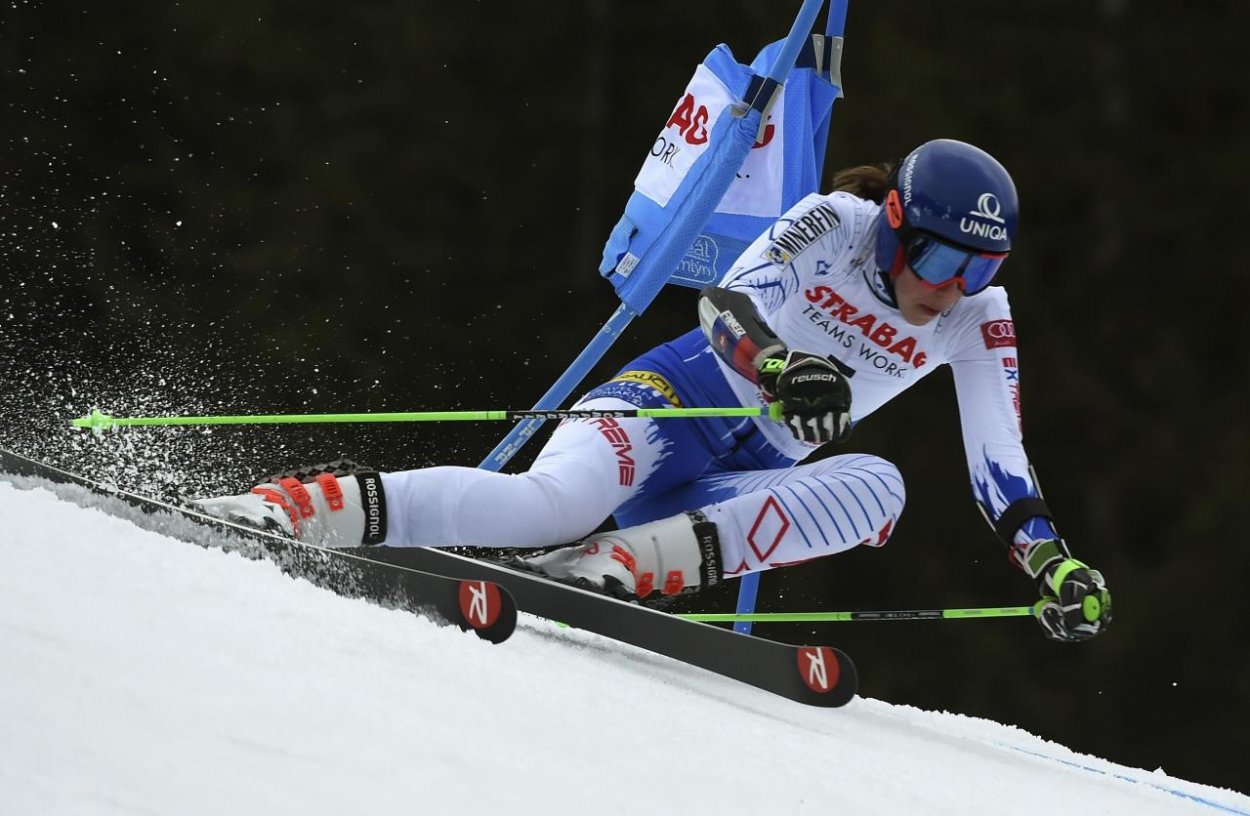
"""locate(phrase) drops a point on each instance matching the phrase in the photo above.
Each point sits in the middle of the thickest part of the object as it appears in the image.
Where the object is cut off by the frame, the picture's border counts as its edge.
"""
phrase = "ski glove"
(815, 396)
(1075, 603)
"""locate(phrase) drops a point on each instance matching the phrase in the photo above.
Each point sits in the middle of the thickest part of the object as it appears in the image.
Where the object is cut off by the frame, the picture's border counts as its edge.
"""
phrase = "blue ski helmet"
(950, 213)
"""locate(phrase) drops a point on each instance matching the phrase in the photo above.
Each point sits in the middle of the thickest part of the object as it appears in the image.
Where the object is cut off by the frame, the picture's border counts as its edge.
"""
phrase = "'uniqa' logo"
(990, 208)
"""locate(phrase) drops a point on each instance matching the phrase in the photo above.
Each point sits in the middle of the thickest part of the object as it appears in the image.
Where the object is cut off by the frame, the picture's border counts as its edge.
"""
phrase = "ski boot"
(335, 505)
(675, 555)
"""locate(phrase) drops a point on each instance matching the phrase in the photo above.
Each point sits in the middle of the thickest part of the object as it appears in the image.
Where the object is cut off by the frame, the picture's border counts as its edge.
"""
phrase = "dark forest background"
(238, 207)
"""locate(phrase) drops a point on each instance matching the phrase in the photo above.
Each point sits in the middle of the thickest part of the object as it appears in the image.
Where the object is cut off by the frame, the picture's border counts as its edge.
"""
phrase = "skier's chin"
(919, 314)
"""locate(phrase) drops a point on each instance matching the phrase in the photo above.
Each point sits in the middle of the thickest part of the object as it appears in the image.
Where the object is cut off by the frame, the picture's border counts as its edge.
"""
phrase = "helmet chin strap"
(896, 268)
(882, 282)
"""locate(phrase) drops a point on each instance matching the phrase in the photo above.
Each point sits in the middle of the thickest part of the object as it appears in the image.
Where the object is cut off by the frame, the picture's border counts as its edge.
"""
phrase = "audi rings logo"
(988, 206)
(998, 334)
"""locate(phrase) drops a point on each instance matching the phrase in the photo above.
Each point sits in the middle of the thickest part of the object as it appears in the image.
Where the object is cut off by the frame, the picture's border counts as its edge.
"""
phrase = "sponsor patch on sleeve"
(998, 334)
(802, 233)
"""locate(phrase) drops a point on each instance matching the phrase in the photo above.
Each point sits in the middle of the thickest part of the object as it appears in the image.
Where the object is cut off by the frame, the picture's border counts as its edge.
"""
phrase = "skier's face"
(920, 303)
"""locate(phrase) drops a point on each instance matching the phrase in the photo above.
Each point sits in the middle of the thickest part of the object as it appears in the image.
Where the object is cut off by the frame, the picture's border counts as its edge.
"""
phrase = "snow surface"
(142, 675)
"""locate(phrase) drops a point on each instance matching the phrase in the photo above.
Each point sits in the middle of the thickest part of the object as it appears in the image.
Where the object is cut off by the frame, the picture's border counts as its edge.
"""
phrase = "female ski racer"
(839, 307)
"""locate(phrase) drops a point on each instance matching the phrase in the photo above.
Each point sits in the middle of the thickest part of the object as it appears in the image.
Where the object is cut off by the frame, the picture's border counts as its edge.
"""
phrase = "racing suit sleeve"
(987, 381)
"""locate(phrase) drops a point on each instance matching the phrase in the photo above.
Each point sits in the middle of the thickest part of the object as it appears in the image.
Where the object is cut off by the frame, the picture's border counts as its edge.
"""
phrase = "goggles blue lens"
(938, 263)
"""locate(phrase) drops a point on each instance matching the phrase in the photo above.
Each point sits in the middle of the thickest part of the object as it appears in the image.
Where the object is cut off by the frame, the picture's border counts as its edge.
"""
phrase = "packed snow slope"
(144, 675)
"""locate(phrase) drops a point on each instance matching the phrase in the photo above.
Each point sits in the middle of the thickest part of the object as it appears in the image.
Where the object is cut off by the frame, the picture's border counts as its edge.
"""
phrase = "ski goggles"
(938, 263)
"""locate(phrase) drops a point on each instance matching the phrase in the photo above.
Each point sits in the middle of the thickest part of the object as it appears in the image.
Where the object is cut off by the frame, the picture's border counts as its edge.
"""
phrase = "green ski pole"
(895, 615)
(98, 421)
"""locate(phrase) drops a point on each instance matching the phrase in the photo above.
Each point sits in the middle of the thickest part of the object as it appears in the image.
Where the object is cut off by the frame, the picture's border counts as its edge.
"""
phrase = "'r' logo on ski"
(478, 608)
(816, 675)
(479, 603)
(818, 666)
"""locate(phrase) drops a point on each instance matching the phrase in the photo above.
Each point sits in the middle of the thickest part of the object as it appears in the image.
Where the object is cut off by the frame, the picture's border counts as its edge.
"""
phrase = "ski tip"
(828, 674)
(488, 609)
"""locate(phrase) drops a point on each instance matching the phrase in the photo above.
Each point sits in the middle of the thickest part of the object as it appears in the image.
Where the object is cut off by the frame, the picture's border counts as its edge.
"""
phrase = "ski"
(485, 597)
(474, 604)
(814, 675)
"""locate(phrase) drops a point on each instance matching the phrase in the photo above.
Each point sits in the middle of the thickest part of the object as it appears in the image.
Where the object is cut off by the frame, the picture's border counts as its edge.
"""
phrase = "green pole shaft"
(97, 420)
(827, 617)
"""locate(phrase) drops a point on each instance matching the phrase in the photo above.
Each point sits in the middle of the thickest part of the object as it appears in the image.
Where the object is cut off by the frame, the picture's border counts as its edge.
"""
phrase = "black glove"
(815, 396)
(1075, 603)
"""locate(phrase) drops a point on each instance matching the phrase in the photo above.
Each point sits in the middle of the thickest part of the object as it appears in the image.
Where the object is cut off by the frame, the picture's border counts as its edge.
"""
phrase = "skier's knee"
(889, 491)
(870, 485)
(889, 484)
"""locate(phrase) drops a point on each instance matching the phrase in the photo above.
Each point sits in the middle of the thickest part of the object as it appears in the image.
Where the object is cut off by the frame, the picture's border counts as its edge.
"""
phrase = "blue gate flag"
(718, 175)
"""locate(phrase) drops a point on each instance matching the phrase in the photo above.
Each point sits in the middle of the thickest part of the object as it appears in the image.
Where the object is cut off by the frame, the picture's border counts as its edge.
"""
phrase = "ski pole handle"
(98, 421)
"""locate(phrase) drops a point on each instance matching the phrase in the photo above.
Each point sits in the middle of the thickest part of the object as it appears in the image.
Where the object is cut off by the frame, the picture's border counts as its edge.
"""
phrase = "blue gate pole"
(795, 41)
(749, 584)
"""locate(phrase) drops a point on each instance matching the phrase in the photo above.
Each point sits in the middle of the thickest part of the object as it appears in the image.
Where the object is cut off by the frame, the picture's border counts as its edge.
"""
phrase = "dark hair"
(868, 181)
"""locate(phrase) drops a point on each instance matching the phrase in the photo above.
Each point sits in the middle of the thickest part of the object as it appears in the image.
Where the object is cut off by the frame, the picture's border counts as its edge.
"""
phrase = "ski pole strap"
(1017, 513)
(883, 615)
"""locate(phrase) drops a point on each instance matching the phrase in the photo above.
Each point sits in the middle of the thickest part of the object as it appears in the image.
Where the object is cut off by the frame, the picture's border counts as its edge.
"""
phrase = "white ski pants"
(644, 469)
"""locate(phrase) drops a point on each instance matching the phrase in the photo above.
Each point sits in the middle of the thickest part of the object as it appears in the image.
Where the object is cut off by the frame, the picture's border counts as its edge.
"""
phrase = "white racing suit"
(813, 279)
